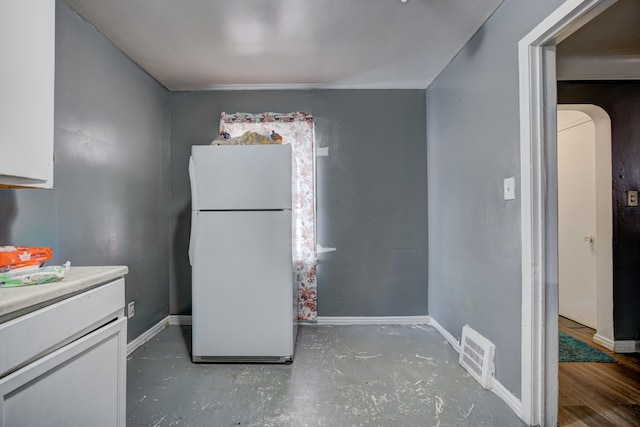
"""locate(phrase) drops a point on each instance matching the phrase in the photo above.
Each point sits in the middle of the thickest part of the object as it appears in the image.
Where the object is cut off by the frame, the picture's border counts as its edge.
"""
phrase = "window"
(296, 129)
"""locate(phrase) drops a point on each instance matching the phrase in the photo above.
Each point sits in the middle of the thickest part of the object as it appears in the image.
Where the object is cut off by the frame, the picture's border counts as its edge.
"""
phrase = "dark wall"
(371, 199)
(111, 172)
(621, 100)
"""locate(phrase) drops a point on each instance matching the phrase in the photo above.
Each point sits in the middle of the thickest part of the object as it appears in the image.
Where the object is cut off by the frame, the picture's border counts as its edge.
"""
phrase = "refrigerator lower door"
(242, 280)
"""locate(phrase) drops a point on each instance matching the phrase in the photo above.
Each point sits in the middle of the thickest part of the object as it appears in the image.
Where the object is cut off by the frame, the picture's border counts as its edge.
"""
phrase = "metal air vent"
(477, 356)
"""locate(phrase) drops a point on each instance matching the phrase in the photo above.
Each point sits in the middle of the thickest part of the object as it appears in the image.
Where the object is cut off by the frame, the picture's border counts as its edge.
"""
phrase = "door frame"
(538, 209)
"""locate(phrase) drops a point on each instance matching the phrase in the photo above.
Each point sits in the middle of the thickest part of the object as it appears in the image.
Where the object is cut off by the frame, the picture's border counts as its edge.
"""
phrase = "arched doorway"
(585, 253)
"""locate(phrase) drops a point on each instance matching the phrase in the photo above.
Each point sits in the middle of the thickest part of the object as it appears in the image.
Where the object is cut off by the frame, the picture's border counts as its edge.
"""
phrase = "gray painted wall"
(473, 144)
(111, 173)
(372, 195)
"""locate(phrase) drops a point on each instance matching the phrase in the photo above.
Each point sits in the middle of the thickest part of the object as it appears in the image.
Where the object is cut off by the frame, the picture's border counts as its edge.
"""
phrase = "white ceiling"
(262, 44)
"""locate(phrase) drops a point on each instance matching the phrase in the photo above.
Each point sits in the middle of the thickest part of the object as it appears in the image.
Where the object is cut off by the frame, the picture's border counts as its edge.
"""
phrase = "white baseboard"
(501, 391)
(447, 336)
(604, 341)
(513, 402)
(147, 336)
(626, 346)
(175, 319)
(368, 320)
(179, 319)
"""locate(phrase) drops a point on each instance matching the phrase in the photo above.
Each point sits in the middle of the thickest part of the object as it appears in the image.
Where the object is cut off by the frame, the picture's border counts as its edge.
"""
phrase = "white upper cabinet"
(27, 67)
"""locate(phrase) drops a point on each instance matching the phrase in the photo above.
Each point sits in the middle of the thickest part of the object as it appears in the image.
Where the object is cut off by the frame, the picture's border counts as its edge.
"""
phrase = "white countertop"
(76, 280)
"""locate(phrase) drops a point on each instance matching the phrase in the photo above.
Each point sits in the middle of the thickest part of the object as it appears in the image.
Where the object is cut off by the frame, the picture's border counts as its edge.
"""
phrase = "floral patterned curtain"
(296, 129)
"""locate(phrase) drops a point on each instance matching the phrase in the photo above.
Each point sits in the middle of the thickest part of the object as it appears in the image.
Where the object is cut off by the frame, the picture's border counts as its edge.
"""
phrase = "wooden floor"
(598, 394)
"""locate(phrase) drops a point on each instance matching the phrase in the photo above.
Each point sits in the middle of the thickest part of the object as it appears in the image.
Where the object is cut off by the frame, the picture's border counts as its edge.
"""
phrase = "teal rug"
(573, 350)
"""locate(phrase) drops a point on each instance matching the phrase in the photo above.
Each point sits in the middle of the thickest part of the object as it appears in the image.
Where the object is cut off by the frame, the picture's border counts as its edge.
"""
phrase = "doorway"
(539, 210)
(585, 221)
(590, 393)
(539, 180)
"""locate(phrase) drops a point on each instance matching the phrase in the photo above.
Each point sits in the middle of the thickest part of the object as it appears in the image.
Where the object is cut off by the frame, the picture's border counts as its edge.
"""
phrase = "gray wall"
(473, 144)
(372, 196)
(111, 173)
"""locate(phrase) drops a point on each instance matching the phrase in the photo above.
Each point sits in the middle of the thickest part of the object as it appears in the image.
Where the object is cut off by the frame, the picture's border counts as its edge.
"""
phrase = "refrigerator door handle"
(194, 189)
(192, 238)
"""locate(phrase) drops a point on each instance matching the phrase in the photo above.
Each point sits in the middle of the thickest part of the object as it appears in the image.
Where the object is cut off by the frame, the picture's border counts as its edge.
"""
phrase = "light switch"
(510, 188)
(632, 198)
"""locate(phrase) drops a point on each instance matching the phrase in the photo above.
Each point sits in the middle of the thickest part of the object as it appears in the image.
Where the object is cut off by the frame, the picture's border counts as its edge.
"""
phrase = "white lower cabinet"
(80, 384)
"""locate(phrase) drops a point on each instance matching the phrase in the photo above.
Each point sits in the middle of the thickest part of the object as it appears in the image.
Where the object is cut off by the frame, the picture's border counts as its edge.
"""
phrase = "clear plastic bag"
(33, 275)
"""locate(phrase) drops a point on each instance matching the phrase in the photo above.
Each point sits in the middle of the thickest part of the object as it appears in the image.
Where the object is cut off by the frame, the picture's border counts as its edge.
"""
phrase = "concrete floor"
(398, 375)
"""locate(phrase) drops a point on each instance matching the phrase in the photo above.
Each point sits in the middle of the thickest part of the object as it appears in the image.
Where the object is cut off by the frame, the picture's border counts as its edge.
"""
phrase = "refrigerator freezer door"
(242, 280)
(240, 177)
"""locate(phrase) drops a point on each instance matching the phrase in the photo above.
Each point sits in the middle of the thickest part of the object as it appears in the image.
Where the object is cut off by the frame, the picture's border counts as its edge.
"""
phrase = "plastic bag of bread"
(23, 256)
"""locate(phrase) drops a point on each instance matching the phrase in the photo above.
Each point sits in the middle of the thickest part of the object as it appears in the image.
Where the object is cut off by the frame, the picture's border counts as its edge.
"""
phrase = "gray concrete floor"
(398, 375)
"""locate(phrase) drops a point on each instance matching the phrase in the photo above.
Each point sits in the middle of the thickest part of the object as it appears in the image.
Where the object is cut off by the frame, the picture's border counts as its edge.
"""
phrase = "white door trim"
(535, 77)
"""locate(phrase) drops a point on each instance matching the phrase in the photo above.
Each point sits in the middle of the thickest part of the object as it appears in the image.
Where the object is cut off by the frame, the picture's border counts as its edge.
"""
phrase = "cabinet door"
(81, 384)
(27, 49)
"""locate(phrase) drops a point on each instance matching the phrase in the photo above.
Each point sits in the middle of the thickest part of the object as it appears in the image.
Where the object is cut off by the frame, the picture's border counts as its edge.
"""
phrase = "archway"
(592, 125)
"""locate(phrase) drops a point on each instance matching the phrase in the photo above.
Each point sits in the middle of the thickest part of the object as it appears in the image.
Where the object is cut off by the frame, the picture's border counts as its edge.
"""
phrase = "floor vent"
(477, 356)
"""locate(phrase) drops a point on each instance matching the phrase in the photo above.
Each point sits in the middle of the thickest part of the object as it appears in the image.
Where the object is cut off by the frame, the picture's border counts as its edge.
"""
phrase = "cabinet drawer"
(33, 335)
(82, 384)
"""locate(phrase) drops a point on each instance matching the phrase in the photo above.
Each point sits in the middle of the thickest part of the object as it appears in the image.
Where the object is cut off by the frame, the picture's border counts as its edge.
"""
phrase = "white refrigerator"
(244, 301)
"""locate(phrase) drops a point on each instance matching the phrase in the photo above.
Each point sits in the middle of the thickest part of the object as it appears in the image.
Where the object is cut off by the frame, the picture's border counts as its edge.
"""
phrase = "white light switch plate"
(131, 309)
(510, 188)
